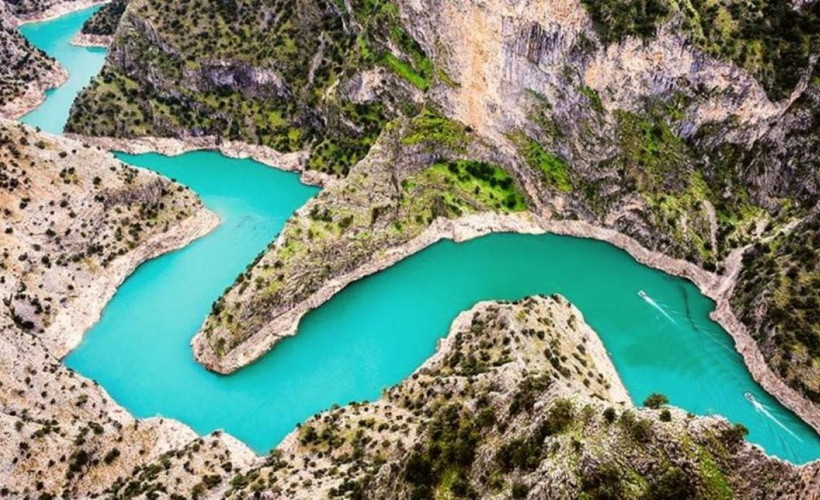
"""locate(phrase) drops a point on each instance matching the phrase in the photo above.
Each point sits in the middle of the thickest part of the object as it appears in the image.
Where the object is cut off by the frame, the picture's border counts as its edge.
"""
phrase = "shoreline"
(35, 94)
(59, 10)
(169, 146)
(71, 324)
(718, 288)
(87, 40)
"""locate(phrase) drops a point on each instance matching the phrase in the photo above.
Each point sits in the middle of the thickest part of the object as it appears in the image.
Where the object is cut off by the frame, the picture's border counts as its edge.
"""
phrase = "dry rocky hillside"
(75, 223)
(25, 72)
(690, 127)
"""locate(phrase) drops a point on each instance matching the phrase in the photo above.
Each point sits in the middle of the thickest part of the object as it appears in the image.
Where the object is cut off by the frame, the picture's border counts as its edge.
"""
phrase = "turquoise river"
(378, 330)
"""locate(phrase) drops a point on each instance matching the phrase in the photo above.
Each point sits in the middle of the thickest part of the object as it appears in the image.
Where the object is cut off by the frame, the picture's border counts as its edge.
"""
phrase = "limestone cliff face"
(75, 223)
(637, 116)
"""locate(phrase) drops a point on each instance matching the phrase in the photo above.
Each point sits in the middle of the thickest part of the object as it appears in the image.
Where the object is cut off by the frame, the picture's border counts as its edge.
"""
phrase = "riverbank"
(59, 10)
(76, 321)
(87, 40)
(35, 93)
(169, 146)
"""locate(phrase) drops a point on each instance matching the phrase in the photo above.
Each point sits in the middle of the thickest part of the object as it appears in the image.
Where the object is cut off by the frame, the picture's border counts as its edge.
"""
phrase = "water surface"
(377, 331)
(82, 63)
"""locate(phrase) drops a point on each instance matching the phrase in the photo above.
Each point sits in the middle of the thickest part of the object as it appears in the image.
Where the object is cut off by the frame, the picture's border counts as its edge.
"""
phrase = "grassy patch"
(406, 71)
(435, 130)
(715, 481)
(555, 171)
(478, 183)
(594, 98)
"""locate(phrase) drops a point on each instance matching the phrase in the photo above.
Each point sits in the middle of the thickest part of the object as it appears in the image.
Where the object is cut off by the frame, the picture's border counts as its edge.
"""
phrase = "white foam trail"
(657, 306)
(761, 408)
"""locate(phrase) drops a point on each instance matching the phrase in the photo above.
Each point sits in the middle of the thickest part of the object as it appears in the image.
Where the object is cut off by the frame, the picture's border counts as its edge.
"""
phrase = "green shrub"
(655, 401)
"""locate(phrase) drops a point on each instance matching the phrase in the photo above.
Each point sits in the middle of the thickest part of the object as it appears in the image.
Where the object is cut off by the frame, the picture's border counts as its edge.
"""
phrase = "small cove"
(377, 331)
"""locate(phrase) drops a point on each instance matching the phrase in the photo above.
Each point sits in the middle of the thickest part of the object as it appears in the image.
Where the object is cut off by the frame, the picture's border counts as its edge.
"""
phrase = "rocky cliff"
(691, 127)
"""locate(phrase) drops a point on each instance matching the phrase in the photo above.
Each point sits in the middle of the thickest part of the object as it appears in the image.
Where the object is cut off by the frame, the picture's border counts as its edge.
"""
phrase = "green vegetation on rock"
(778, 298)
(291, 75)
(554, 170)
(433, 172)
(772, 40)
(105, 21)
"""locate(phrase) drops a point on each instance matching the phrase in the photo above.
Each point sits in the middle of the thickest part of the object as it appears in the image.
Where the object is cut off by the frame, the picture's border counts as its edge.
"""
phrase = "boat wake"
(657, 306)
(764, 410)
